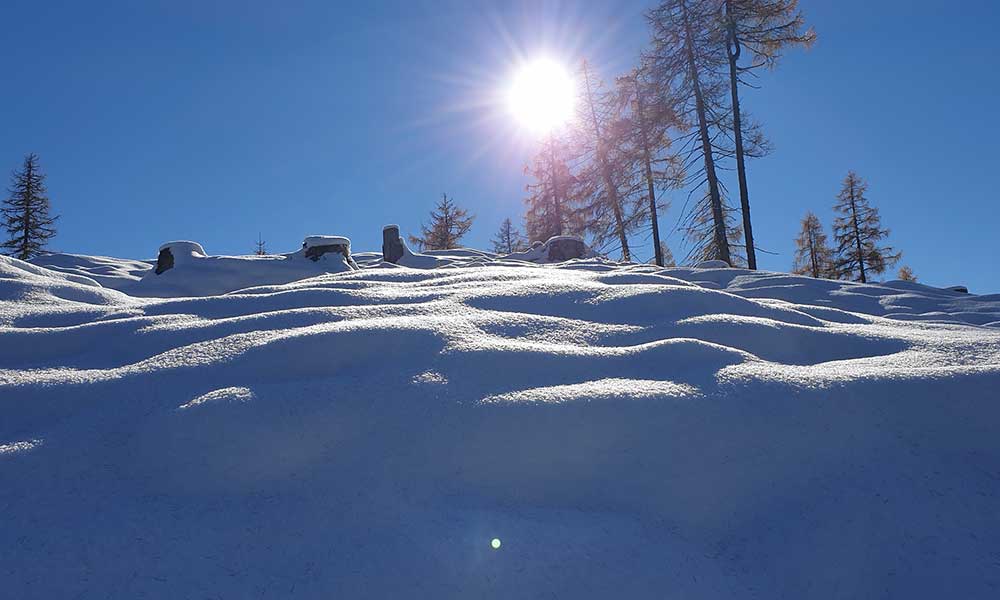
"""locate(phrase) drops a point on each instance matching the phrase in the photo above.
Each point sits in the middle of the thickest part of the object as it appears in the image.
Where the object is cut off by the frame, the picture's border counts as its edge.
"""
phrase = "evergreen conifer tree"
(448, 225)
(26, 212)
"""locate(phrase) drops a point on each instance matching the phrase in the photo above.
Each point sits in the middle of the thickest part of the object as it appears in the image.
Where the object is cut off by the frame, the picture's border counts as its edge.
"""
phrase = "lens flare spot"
(495, 543)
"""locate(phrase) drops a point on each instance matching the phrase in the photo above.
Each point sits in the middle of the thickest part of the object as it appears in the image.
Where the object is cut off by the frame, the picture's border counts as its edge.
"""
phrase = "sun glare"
(542, 95)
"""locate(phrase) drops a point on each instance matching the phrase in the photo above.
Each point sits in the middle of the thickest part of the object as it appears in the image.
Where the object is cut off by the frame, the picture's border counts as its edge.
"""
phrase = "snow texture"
(627, 431)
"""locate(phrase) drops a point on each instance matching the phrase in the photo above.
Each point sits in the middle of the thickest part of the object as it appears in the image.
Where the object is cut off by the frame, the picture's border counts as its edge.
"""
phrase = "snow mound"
(183, 268)
(712, 264)
(114, 273)
(625, 430)
(30, 294)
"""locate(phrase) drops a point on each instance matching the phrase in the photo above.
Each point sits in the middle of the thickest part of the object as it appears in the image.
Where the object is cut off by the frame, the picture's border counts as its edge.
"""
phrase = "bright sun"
(542, 95)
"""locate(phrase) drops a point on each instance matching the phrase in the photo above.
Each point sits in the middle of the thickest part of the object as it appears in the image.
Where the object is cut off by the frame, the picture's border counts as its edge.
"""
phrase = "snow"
(313, 241)
(712, 264)
(183, 251)
(275, 427)
(114, 273)
(195, 273)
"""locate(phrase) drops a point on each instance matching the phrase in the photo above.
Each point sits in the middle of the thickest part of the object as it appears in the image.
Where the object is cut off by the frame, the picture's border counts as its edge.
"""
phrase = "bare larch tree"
(764, 28)
(858, 231)
(448, 225)
(508, 239)
(813, 255)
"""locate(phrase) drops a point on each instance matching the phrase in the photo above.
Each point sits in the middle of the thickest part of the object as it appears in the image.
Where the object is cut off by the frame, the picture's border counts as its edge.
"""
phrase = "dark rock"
(392, 244)
(314, 252)
(565, 248)
(165, 261)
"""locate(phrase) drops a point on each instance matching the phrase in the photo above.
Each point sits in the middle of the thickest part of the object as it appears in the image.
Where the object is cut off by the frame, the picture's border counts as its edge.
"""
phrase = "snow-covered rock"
(556, 249)
(624, 430)
(319, 241)
(184, 269)
(316, 246)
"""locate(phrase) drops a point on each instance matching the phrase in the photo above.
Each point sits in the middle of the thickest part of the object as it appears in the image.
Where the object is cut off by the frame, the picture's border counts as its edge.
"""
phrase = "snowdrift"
(626, 431)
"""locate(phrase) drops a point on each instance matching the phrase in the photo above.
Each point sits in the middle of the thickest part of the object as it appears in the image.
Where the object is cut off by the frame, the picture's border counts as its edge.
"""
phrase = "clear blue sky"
(212, 120)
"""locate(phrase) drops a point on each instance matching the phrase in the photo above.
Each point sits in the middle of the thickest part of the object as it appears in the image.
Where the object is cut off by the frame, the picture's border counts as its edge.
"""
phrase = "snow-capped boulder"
(961, 289)
(556, 249)
(315, 246)
(176, 252)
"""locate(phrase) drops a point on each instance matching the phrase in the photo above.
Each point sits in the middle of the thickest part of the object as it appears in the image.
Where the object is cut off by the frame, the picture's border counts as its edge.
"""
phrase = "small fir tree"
(858, 231)
(508, 239)
(448, 225)
(813, 256)
(26, 212)
(906, 274)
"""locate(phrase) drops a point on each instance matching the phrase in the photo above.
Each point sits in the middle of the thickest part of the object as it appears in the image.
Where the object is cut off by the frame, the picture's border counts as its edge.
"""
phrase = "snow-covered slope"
(114, 273)
(625, 431)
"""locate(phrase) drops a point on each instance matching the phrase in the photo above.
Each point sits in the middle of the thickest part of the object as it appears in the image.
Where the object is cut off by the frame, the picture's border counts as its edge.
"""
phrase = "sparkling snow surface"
(627, 431)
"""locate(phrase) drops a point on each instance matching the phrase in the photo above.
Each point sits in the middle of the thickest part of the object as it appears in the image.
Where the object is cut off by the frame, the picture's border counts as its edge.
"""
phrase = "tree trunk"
(857, 235)
(719, 219)
(733, 51)
(556, 205)
(647, 158)
(29, 195)
(616, 209)
(602, 161)
(812, 255)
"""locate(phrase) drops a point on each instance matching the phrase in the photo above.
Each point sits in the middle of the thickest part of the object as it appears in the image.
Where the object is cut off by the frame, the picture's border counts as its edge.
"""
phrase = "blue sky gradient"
(216, 120)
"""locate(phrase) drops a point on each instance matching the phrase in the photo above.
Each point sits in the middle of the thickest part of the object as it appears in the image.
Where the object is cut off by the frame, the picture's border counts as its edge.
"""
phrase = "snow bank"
(712, 264)
(183, 268)
(625, 431)
(114, 273)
